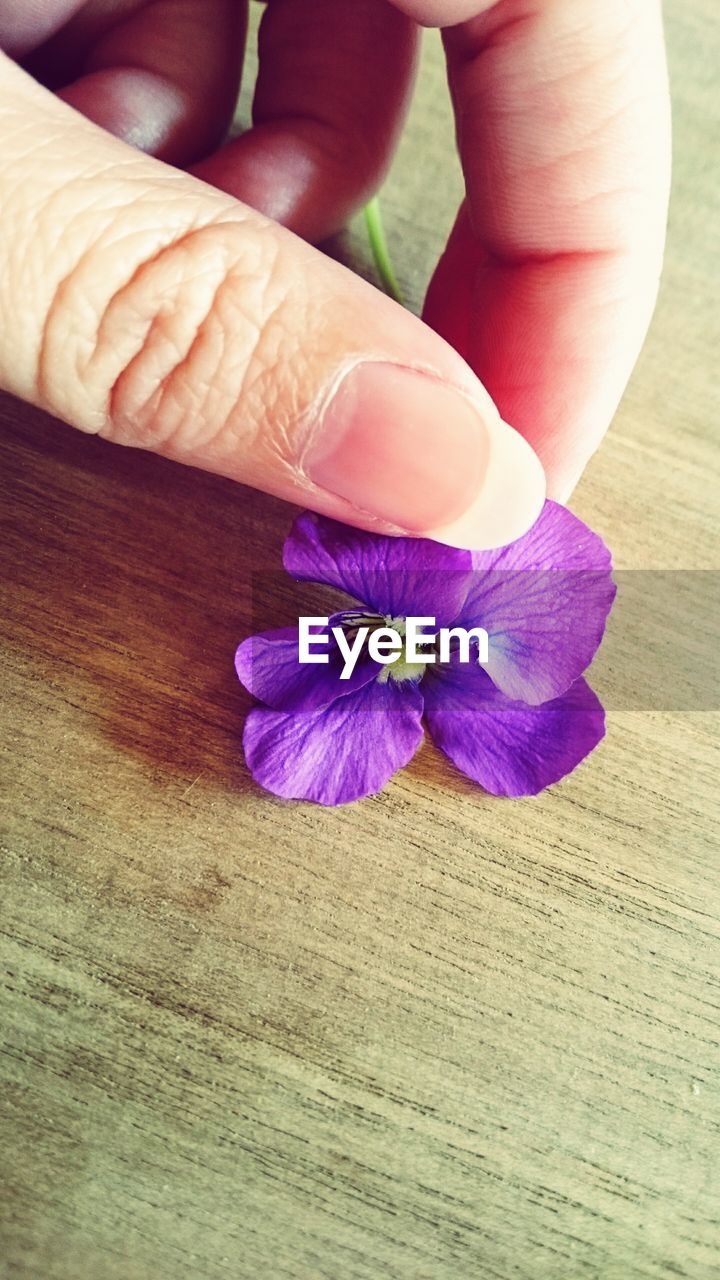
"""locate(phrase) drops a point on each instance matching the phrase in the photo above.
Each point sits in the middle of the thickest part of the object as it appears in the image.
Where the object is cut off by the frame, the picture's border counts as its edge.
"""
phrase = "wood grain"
(431, 1036)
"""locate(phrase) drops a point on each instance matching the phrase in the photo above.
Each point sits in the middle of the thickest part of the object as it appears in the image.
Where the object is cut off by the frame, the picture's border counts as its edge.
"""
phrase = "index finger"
(550, 276)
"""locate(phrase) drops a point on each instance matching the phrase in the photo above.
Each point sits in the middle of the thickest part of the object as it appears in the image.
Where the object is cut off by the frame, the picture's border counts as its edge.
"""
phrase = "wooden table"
(431, 1036)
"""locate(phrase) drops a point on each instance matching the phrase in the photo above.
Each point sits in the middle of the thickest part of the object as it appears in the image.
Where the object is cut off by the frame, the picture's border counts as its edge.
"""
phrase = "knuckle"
(183, 354)
(201, 315)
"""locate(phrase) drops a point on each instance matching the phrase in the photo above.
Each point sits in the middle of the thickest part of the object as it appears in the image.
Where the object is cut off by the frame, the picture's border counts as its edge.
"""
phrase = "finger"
(334, 82)
(24, 26)
(163, 76)
(144, 305)
(551, 273)
(442, 13)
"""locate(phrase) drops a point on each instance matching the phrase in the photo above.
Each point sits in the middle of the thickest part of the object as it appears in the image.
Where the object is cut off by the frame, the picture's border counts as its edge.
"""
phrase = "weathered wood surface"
(431, 1036)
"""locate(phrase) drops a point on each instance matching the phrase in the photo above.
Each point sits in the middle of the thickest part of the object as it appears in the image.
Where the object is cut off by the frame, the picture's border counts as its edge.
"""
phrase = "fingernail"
(510, 499)
(415, 452)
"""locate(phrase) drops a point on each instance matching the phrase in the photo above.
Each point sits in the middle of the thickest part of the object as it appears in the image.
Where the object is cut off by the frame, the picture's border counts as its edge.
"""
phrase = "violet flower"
(515, 725)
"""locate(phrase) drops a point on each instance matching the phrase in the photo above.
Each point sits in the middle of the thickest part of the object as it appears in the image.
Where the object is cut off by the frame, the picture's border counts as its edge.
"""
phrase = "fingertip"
(163, 77)
(287, 170)
(414, 452)
(137, 106)
(441, 13)
(509, 500)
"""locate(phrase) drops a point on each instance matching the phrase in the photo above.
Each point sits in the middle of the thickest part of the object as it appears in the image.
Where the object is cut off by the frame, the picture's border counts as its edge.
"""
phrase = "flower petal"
(338, 753)
(268, 666)
(544, 601)
(395, 576)
(510, 748)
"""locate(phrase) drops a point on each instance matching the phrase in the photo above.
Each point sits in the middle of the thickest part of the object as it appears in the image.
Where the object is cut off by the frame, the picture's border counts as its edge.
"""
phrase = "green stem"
(378, 244)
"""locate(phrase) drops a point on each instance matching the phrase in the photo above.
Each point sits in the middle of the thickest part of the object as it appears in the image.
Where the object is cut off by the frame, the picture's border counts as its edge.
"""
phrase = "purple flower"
(516, 724)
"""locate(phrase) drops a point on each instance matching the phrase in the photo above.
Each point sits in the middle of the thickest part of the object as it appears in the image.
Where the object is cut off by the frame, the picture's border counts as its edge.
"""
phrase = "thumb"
(140, 304)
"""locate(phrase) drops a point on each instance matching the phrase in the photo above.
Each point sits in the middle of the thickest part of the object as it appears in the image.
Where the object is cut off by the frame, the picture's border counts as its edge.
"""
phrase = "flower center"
(399, 669)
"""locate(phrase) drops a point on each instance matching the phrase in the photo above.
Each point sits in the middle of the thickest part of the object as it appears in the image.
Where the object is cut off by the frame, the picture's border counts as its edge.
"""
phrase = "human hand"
(142, 304)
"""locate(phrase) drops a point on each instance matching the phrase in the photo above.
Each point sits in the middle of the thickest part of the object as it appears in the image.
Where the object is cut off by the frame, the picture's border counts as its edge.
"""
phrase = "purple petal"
(510, 748)
(544, 601)
(395, 576)
(268, 666)
(338, 753)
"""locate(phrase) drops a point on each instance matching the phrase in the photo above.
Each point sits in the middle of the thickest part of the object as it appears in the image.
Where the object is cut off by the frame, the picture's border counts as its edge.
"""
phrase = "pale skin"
(151, 291)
